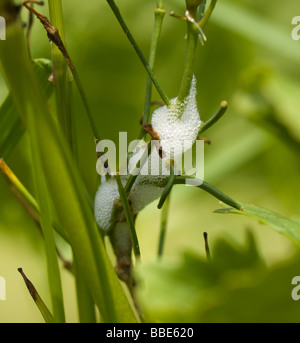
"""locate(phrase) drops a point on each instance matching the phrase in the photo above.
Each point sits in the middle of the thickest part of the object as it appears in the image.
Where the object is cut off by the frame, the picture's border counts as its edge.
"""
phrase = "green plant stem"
(129, 218)
(190, 55)
(60, 72)
(159, 4)
(204, 20)
(201, 10)
(159, 17)
(84, 100)
(133, 176)
(138, 51)
(180, 180)
(221, 111)
(163, 226)
(57, 40)
(63, 179)
(168, 187)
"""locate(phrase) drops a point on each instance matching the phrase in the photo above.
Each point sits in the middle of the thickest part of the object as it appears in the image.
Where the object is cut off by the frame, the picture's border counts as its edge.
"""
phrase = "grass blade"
(283, 225)
(63, 179)
(54, 278)
(11, 126)
(85, 302)
(37, 299)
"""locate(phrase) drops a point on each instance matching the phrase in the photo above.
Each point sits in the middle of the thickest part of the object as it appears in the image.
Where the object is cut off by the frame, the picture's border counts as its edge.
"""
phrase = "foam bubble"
(106, 195)
(178, 125)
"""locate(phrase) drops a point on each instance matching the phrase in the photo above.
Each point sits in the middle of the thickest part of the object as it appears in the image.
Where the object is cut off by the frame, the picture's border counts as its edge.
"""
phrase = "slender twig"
(163, 226)
(207, 250)
(68, 265)
(146, 65)
(60, 72)
(192, 38)
(129, 218)
(133, 176)
(180, 180)
(55, 37)
(159, 16)
(221, 111)
(168, 187)
(204, 20)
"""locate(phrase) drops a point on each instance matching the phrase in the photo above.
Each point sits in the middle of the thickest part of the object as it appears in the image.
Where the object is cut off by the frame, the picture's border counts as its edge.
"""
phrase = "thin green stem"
(221, 111)
(133, 176)
(60, 72)
(190, 55)
(159, 4)
(159, 17)
(163, 226)
(57, 40)
(146, 65)
(168, 187)
(85, 101)
(129, 218)
(204, 20)
(180, 180)
(201, 10)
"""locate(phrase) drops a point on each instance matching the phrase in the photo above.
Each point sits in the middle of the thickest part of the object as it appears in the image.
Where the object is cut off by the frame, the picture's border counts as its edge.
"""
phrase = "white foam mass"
(144, 191)
(150, 182)
(178, 125)
(106, 195)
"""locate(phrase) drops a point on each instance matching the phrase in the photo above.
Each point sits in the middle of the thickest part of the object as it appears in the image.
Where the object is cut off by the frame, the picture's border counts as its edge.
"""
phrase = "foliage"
(234, 287)
(47, 132)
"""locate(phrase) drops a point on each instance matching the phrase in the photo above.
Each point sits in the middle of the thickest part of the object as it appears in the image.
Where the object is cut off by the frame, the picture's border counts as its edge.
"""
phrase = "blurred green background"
(250, 60)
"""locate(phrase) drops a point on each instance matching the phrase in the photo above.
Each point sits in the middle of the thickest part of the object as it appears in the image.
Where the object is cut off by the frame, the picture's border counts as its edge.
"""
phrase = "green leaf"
(37, 299)
(11, 126)
(285, 226)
